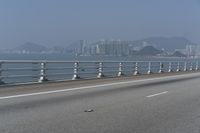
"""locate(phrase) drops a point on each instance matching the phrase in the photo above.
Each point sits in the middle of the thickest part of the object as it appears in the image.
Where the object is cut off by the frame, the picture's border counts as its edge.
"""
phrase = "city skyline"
(89, 42)
(122, 48)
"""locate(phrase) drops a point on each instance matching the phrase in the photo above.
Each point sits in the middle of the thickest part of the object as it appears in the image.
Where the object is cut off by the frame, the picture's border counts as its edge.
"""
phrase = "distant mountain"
(167, 43)
(31, 47)
(149, 51)
(178, 54)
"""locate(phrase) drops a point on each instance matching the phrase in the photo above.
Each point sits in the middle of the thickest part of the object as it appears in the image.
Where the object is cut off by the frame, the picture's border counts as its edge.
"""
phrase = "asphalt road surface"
(169, 104)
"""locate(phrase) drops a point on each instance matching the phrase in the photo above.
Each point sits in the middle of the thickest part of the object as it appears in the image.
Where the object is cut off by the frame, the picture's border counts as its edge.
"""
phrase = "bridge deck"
(165, 103)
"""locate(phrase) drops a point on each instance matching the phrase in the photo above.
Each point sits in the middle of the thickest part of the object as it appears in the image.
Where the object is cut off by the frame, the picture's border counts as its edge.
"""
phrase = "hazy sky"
(60, 22)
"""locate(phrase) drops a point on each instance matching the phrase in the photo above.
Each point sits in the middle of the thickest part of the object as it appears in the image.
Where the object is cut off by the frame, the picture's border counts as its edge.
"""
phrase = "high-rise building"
(83, 47)
(191, 50)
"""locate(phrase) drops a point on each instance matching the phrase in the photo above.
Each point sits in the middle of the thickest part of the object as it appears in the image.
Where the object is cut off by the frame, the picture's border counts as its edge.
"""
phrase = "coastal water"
(81, 58)
(30, 72)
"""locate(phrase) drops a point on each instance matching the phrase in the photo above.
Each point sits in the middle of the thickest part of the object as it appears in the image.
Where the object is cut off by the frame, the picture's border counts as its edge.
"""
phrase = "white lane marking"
(94, 86)
(157, 94)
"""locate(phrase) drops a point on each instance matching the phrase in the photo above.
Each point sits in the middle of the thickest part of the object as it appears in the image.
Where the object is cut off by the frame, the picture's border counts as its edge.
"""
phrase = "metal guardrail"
(14, 71)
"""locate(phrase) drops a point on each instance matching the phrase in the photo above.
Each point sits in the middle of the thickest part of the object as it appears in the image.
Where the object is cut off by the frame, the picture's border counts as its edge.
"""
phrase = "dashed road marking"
(157, 94)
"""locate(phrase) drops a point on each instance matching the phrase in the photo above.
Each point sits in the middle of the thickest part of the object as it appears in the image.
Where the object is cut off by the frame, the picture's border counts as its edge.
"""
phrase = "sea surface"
(81, 58)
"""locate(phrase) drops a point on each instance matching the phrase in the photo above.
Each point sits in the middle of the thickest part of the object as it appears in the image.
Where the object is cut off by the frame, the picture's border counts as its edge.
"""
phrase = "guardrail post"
(161, 68)
(136, 69)
(120, 70)
(100, 69)
(76, 67)
(178, 67)
(170, 67)
(149, 68)
(185, 67)
(1, 80)
(197, 66)
(43, 77)
(191, 66)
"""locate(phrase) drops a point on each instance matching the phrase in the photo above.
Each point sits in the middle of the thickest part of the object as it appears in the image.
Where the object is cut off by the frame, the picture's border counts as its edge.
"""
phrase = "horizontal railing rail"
(22, 71)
